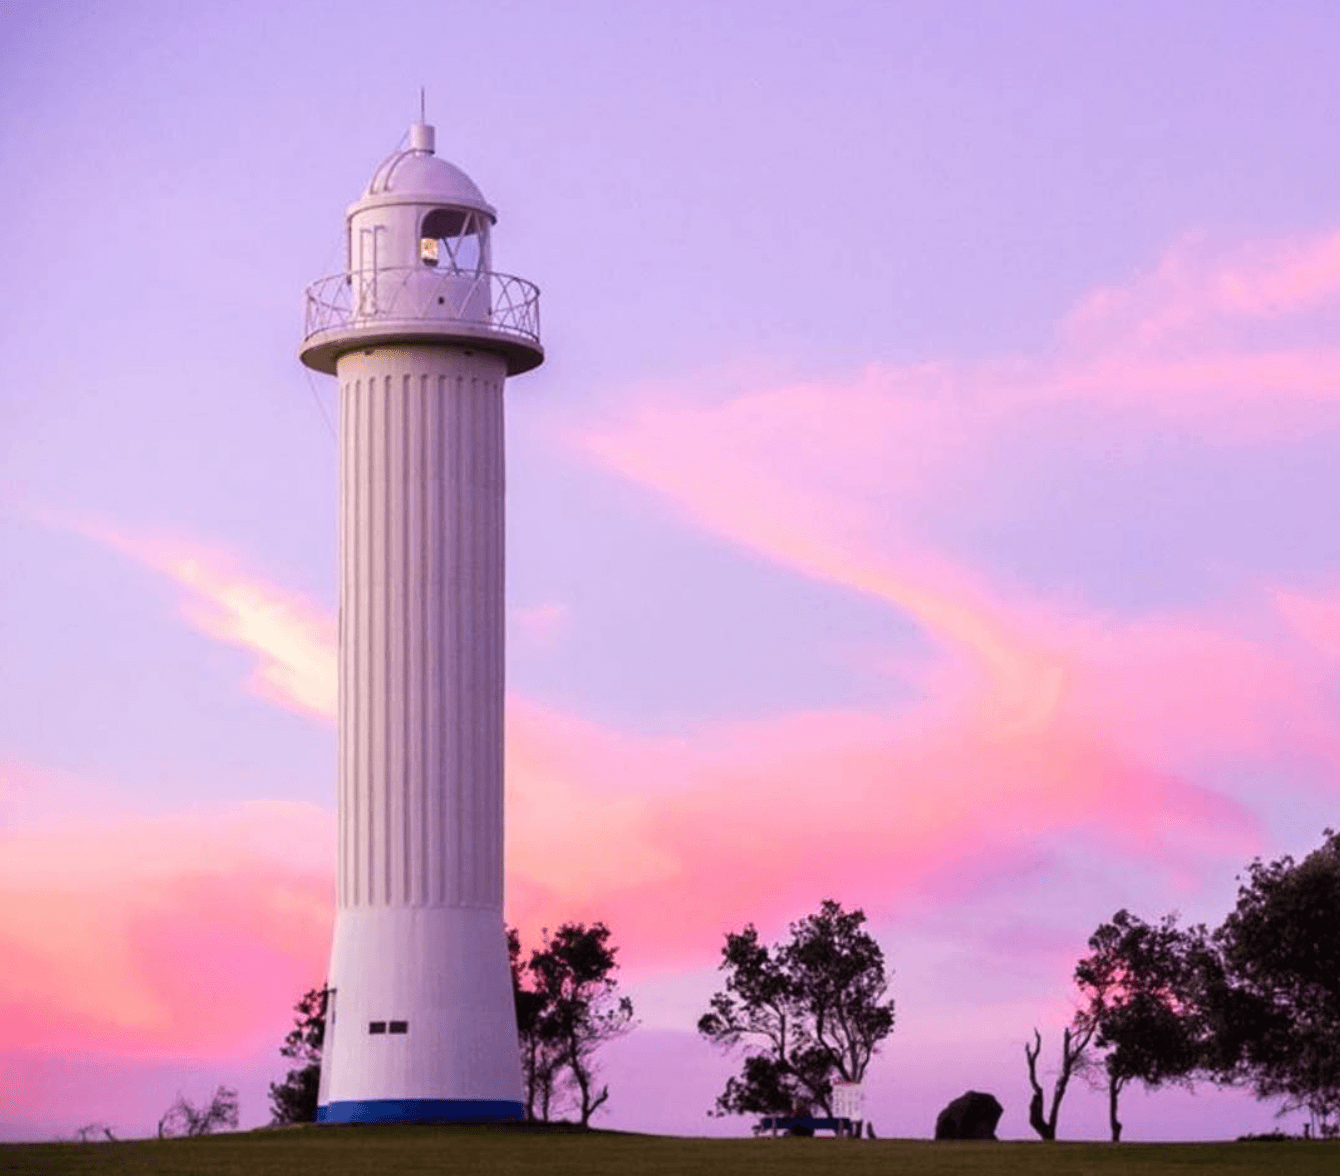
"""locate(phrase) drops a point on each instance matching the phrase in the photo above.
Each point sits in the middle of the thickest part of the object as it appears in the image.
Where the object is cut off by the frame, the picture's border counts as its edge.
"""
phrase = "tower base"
(420, 1021)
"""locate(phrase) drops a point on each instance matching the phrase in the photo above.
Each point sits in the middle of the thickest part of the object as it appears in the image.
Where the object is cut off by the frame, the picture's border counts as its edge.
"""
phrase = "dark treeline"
(805, 1014)
(1253, 1002)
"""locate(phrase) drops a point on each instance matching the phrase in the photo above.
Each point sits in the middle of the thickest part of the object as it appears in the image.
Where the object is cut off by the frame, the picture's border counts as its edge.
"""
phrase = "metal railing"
(419, 296)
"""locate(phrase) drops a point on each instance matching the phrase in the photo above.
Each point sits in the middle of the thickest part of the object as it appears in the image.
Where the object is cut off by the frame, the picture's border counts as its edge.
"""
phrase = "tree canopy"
(1256, 1001)
(568, 1006)
(1279, 1004)
(807, 1012)
(1138, 983)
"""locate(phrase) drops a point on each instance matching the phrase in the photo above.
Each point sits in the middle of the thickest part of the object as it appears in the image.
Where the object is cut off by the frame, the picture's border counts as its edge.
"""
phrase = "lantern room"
(419, 265)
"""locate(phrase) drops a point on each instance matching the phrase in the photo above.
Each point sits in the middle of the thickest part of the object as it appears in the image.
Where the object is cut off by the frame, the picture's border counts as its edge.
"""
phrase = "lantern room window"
(456, 240)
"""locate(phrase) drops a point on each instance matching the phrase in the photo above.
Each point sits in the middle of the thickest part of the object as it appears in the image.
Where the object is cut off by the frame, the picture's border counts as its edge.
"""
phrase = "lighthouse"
(421, 335)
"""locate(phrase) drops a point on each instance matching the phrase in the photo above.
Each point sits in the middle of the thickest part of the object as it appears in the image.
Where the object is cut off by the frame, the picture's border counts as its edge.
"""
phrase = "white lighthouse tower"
(421, 335)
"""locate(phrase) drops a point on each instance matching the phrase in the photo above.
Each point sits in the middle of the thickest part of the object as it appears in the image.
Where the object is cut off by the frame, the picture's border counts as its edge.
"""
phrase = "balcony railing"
(421, 297)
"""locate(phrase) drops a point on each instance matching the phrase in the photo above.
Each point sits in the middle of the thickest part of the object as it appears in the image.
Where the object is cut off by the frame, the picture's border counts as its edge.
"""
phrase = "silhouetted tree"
(807, 1012)
(540, 1058)
(568, 1006)
(1139, 985)
(1074, 1043)
(295, 1099)
(184, 1118)
(1276, 1010)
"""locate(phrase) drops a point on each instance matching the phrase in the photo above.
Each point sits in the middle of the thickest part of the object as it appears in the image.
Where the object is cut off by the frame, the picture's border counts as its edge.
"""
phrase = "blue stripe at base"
(420, 1110)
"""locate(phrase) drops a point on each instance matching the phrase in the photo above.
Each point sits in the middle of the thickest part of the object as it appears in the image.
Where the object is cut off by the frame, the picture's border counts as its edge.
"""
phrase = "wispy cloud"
(292, 638)
(1201, 284)
(843, 479)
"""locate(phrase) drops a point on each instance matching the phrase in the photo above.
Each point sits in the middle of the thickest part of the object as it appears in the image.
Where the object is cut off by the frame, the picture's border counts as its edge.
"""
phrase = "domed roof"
(414, 173)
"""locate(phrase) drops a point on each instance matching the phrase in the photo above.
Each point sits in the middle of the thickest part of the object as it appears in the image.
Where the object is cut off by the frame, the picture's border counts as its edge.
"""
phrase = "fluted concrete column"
(421, 616)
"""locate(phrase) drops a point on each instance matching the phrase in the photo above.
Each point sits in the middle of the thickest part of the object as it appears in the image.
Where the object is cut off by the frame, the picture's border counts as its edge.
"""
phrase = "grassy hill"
(334, 1151)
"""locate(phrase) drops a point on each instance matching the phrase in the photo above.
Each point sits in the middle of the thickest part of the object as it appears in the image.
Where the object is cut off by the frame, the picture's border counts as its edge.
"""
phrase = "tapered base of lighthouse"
(420, 1027)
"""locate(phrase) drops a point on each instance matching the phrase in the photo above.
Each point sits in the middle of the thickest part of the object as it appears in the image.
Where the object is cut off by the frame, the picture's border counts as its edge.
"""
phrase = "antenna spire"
(422, 105)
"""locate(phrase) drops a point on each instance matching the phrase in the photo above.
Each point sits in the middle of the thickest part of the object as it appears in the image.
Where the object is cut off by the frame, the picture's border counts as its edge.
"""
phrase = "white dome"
(418, 176)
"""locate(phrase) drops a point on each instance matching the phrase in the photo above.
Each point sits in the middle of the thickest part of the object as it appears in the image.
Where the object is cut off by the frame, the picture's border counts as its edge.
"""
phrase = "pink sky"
(927, 503)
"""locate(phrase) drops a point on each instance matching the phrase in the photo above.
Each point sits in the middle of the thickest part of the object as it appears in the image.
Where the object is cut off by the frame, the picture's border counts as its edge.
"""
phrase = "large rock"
(973, 1115)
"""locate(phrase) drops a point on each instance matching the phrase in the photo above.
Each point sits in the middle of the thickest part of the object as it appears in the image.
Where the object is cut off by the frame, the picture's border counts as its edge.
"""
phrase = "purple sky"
(928, 501)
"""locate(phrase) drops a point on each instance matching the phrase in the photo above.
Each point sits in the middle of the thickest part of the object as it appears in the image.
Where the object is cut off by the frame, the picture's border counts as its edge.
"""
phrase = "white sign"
(848, 1100)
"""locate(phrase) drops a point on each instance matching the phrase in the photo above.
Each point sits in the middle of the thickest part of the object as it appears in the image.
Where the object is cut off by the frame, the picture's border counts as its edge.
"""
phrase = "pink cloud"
(163, 935)
(836, 479)
(1200, 284)
(1047, 718)
(1232, 343)
(606, 824)
(1313, 617)
(1013, 739)
(769, 816)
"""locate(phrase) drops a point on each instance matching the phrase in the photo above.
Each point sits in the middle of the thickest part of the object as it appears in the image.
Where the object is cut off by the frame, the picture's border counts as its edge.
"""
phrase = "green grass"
(333, 1151)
